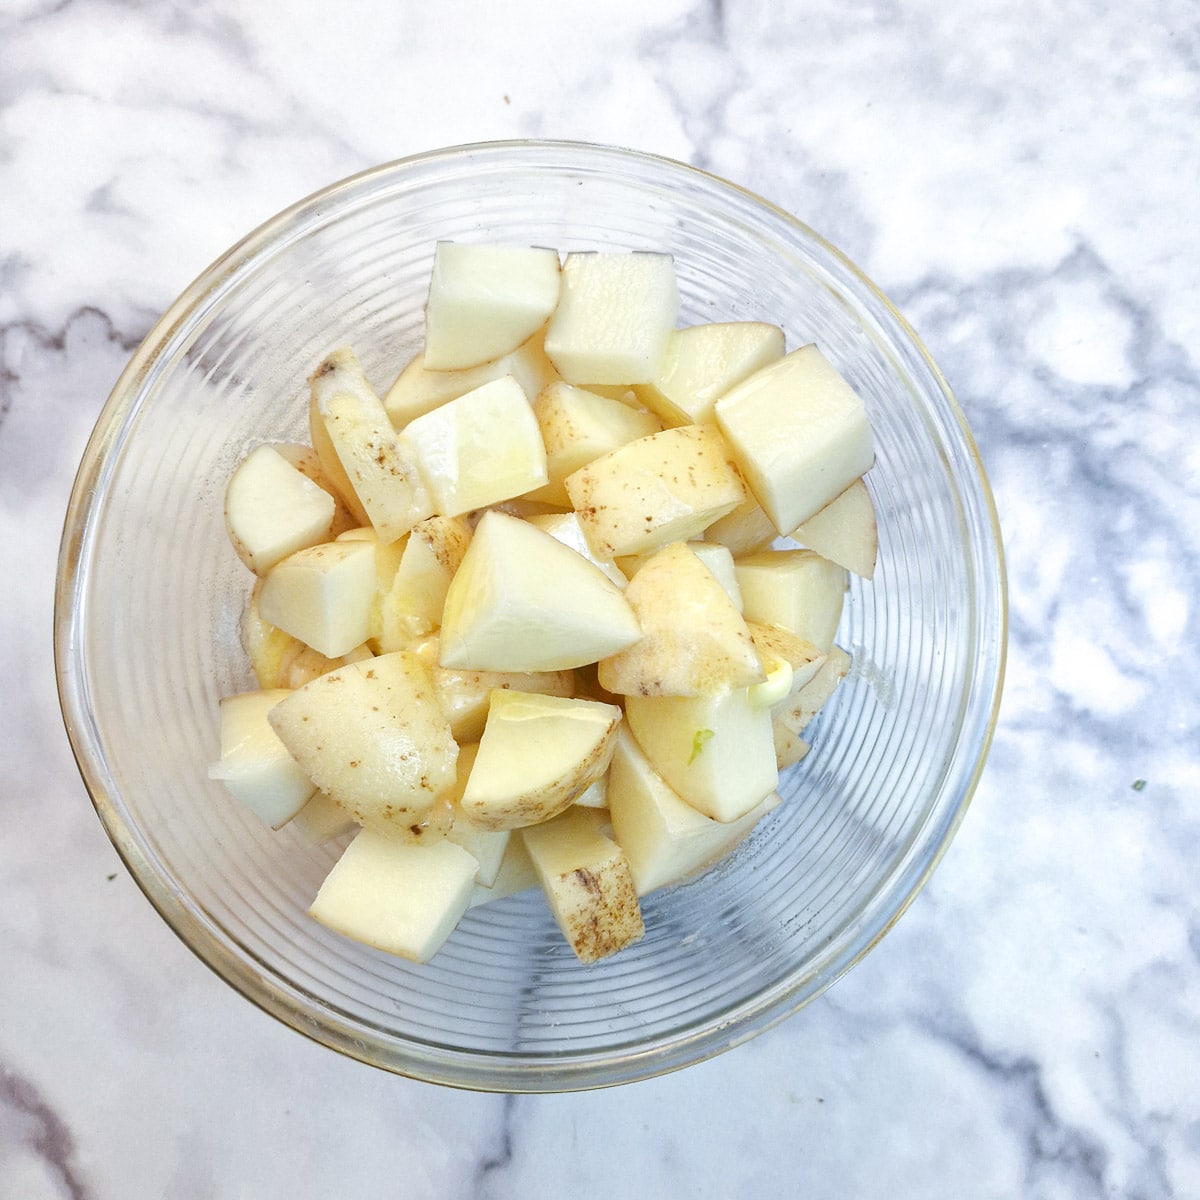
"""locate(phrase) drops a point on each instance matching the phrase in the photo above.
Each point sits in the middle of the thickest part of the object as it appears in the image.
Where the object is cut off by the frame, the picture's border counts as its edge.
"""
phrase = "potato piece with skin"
(255, 766)
(536, 755)
(272, 510)
(776, 644)
(844, 531)
(799, 433)
(667, 487)
(565, 528)
(714, 556)
(694, 641)
(665, 839)
(373, 736)
(268, 647)
(578, 426)
(614, 316)
(465, 696)
(477, 450)
(522, 601)
(797, 712)
(485, 300)
(717, 752)
(402, 898)
(413, 605)
(323, 596)
(418, 390)
(307, 664)
(702, 363)
(382, 472)
(588, 884)
(796, 589)
(331, 466)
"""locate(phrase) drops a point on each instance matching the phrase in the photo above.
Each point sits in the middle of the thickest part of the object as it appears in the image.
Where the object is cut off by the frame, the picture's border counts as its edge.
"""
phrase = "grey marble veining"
(1021, 180)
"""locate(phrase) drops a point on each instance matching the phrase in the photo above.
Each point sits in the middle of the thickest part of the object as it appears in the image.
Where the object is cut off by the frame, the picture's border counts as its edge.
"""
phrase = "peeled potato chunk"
(799, 433)
(588, 883)
(614, 316)
(694, 641)
(665, 839)
(844, 531)
(485, 300)
(373, 736)
(796, 589)
(522, 601)
(536, 755)
(255, 765)
(667, 487)
(272, 510)
(399, 897)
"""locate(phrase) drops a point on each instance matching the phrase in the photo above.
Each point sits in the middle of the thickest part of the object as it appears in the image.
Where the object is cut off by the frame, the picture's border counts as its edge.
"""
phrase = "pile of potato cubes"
(524, 620)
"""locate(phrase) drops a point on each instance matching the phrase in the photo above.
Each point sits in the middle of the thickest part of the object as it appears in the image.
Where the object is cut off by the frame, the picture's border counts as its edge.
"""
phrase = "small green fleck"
(1139, 785)
(112, 877)
(702, 736)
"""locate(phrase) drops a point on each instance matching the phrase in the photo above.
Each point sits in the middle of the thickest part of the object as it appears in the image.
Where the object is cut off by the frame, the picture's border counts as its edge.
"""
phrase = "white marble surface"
(1022, 179)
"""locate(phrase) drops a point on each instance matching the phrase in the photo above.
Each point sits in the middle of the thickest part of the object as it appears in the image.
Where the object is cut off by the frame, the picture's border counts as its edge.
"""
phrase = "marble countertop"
(1021, 178)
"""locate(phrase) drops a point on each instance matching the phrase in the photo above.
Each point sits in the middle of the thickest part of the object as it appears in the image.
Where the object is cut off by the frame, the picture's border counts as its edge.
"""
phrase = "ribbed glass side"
(152, 596)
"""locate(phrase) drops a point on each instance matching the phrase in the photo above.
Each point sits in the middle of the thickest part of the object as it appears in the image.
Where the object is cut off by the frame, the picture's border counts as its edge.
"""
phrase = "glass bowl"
(150, 598)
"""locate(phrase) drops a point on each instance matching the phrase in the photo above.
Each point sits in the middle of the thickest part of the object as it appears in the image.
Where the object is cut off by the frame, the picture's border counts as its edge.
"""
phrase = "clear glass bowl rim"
(498, 1073)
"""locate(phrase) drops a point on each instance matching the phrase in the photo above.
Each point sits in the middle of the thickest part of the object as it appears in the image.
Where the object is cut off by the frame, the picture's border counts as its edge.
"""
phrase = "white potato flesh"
(536, 755)
(717, 752)
(373, 736)
(485, 300)
(665, 839)
(522, 601)
(479, 449)
(743, 530)
(322, 820)
(694, 641)
(799, 433)
(790, 747)
(412, 607)
(578, 426)
(516, 874)
(565, 528)
(381, 472)
(588, 883)
(418, 390)
(614, 316)
(399, 897)
(255, 765)
(797, 589)
(844, 531)
(486, 846)
(714, 556)
(272, 510)
(595, 795)
(801, 707)
(308, 462)
(668, 487)
(702, 363)
(323, 596)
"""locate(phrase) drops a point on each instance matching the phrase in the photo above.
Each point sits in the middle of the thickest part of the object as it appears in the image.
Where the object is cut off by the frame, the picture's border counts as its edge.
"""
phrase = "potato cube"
(614, 316)
(323, 596)
(255, 765)
(588, 884)
(799, 433)
(399, 897)
(844, 531)
(702, 363)
(797, 589)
